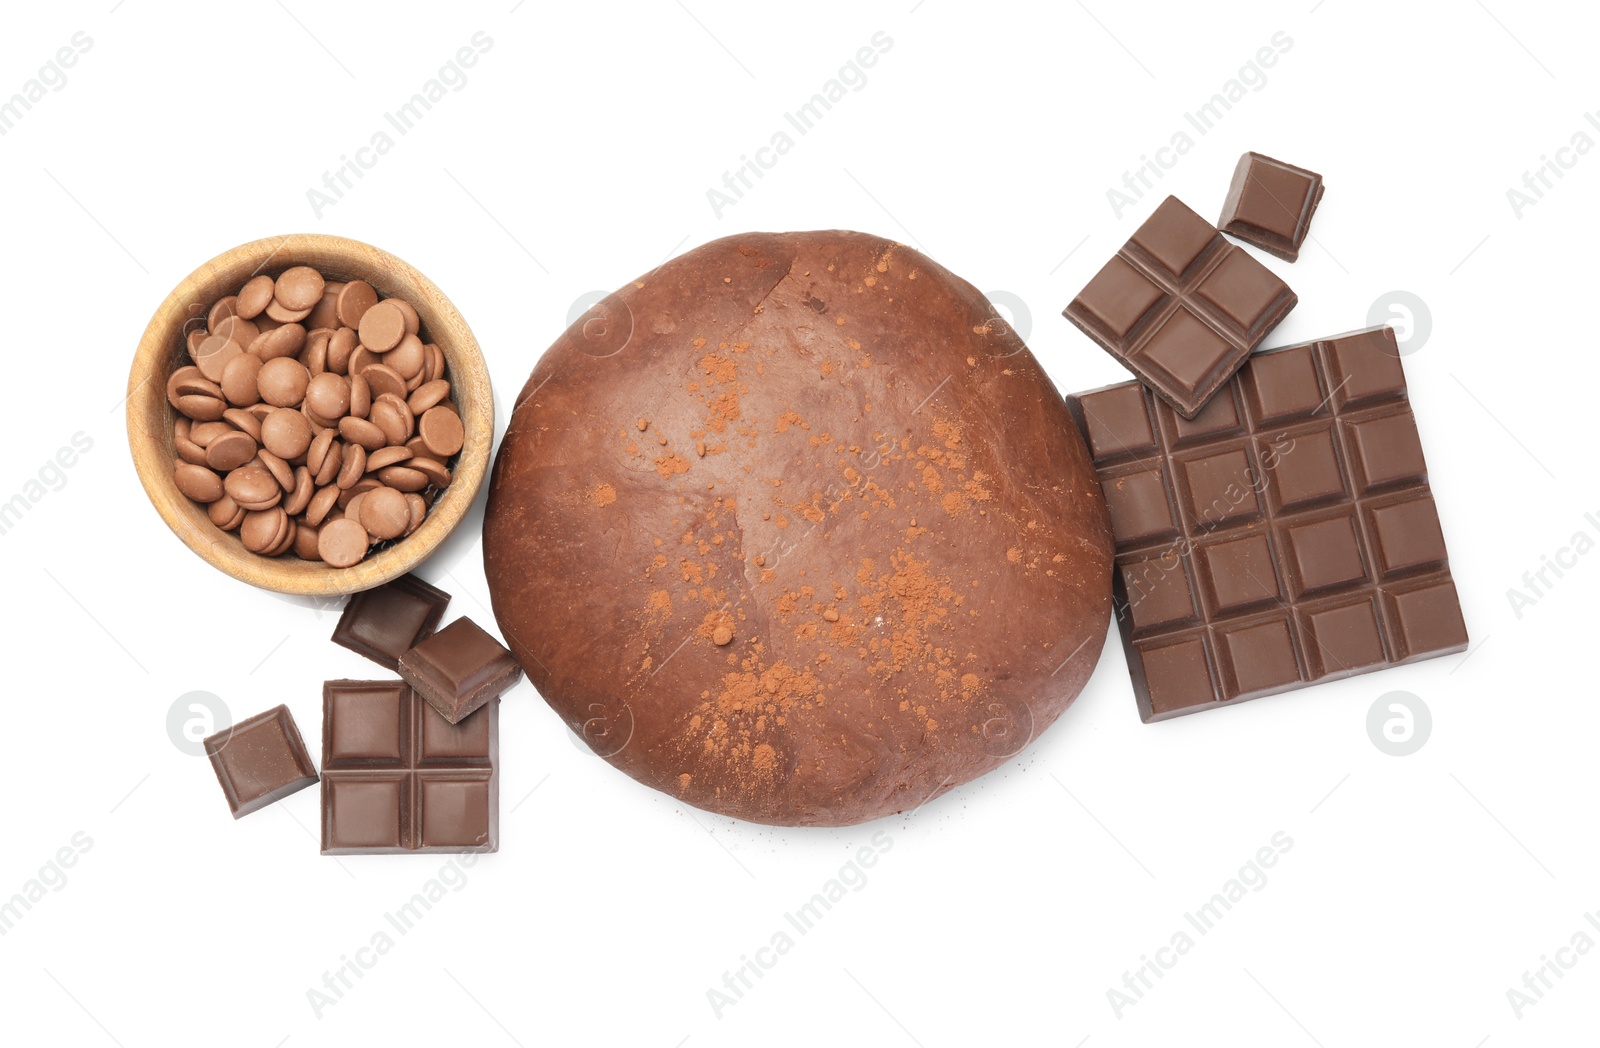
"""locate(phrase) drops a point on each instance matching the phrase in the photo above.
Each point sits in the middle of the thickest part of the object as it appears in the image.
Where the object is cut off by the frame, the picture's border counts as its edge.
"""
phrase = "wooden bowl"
(163, 349)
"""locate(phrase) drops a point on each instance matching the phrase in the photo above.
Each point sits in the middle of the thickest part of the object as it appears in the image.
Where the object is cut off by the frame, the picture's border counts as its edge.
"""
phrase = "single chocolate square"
(1306, 469)
(1285, 535)
(1321, 553)
(398, 778)
(1237, 574)
(382, 623)
(1384, 451)
(1180, 307)
(1363, 370)
(459, 669)
(365, 814)
(1174, 678)
(260, 760)
(1155, 592)
(1270, 204)
(1257, 657)
(1138, 504)
(1344, 637)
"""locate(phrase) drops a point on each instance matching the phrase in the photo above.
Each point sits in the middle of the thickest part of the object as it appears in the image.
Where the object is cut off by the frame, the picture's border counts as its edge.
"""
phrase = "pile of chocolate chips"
(408, 765)
(313, 417)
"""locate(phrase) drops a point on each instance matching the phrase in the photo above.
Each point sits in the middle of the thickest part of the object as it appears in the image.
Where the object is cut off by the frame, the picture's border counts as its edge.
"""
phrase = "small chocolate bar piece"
(260, 760)
(1284, 536)
(459, 669)
(382, 623)
(1181, 306)
(396, 777)
(1270, 204)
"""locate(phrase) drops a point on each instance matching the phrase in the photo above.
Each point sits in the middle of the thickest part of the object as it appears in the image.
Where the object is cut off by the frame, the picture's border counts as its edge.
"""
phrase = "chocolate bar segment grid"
(397, 777)
(1285, 535)
(1180, 306)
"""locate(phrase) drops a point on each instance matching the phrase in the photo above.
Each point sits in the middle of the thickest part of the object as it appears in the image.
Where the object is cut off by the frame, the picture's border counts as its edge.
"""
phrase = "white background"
(578, 154)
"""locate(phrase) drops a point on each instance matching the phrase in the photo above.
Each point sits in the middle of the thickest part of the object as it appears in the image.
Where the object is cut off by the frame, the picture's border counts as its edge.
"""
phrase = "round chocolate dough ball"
(795, 529)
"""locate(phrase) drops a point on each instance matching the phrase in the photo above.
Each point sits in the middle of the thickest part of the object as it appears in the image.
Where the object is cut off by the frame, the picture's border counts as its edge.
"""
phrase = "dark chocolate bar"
(397, 777)
(1180, 306)
(1285, 535)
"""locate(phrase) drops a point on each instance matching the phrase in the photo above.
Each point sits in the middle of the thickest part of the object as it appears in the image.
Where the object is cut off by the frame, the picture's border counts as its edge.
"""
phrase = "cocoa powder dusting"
(671, 464)
(899, 621)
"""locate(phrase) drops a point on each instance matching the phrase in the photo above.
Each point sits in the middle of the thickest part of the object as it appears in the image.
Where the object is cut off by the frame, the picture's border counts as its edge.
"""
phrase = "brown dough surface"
(795, 529)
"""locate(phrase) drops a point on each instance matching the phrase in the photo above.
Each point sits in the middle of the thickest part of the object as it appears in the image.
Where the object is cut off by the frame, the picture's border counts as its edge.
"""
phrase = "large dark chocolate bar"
(1285, 535)
(1181, 306)
(397, 777)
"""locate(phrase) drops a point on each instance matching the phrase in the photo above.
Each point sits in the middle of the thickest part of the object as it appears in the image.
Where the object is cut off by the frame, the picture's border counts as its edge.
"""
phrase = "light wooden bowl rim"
(150, 416)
